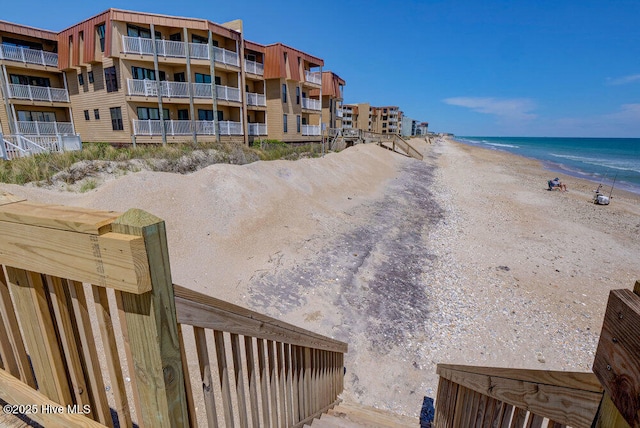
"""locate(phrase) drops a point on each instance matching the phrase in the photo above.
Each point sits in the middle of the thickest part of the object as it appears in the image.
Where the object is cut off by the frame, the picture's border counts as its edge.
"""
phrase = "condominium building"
(156, 78)
(35, 96)
(293, 113)
(385, 119)
(357, 116)
(332, 97)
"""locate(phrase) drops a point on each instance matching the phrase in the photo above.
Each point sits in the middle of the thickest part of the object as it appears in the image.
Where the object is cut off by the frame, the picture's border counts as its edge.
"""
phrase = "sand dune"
(461, 258)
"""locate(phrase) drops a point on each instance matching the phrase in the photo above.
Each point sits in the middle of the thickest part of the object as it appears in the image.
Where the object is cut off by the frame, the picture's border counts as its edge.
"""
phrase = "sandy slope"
(464, 257)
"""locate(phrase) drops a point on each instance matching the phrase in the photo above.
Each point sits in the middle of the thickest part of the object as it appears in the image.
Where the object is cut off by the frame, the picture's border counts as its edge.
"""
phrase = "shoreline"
(559, 168)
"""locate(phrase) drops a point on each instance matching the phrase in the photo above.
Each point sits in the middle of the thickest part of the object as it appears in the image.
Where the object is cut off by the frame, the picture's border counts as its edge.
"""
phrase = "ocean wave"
(502, 145)
(621, 165)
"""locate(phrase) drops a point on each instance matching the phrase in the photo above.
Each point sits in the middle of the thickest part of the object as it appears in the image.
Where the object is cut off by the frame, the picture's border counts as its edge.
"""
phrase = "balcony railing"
(31, 56)
(339, 113)
(149, 88)
(313, 77)
(311, 130)
(311, 104)
(256, 99)
(253, 67)
(37, 93)
(228, 93)
(169, 48)
(184, 127)
(45, 128)
(257, 129)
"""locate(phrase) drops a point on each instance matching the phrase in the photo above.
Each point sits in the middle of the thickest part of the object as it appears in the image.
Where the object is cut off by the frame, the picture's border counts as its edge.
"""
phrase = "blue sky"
(482, 68)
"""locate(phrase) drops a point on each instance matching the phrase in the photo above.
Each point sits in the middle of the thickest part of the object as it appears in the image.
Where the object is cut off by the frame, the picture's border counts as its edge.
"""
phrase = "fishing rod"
(614, 182)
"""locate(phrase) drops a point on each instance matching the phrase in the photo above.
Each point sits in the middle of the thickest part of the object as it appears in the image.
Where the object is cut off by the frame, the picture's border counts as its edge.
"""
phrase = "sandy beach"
(463, 257)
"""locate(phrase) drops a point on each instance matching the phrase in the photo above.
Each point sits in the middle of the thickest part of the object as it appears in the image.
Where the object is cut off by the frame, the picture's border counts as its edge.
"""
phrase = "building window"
(384, 125)
(297, 94)
(116, 118)
(179, 77)
(86, 115)
(80, 79)
(200, 40)
(96, 113)
(19, 79)
(284, 123)
(177, 37)
(298, 123)
(203, 78)
(284, 94)
(140, 73)
(218, 81)
(90, 76)
(145, 33)
(183, 114)
(150, 113)
(111, 79)
(100, 30)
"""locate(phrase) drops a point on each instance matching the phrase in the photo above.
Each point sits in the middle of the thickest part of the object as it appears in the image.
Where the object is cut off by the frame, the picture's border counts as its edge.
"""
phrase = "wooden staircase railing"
(93, 333)
(607, 398)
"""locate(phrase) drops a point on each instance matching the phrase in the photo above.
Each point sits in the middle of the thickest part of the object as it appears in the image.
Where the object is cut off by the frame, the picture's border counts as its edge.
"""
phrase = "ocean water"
(595, 159)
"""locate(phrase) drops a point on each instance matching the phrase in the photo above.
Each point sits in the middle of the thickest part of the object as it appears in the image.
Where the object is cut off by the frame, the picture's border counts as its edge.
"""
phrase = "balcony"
(313, 77)
(393, 119)
(29, 56)
(45, 128)
(311, 130)
(171, 49)
(253, 67)
(311, 104)
(37, 93)
(256, 99)
(149, 88)
(184, 127)
(339, 113)
(257, 129)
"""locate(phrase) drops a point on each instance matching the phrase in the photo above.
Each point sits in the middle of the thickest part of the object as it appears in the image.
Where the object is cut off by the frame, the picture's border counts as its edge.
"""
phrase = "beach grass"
(178, 158)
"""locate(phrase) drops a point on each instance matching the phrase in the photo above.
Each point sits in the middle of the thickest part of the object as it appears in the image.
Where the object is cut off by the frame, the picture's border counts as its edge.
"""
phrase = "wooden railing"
(607, 398)
(492, 396)
(67, 273)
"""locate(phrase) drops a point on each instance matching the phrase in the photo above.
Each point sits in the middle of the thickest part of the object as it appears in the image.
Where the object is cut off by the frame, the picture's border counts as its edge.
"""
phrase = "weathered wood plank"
(59, 217)
(576, 380)
(191, 407)
(13, 391)
(617, 361)
(289, 383)
(112, 260)
(8, 198)
(252, 380)
(87, 387)
(197, 309)
(264, 382)
(609, 416)
(207, 379)
(32, 308)
(223, 377)
(572, 407)
(236, 353)
(152, 328)
(273, 384)
(281, 384)
(110, 349)
(13, 351)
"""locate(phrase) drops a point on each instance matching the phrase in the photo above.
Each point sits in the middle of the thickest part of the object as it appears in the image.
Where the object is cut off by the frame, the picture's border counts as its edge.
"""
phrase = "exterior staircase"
(350, 415)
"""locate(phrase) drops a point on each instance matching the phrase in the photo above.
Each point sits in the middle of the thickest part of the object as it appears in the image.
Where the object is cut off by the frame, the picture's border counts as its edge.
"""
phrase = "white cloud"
(512, 109)
(623, 80)
(624, 122)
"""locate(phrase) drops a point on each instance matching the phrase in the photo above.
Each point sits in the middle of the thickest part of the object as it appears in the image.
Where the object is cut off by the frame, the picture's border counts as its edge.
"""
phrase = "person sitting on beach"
(557, 184)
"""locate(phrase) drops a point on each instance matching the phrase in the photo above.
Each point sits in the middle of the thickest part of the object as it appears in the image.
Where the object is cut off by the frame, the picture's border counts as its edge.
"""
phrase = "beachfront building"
(356, 116)
(406, 126)
(332, 97)
(293, 113)
(422, 128)
(385, 119)
(35, 96)
(153, 78)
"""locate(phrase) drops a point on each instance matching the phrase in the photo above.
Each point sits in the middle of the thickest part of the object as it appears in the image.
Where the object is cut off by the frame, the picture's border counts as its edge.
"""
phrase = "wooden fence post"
(617, 361)
(152, 329)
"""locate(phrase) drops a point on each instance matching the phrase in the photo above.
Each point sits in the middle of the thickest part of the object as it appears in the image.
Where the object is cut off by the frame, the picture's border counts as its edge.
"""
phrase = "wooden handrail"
(199, 310)
(567, 398)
